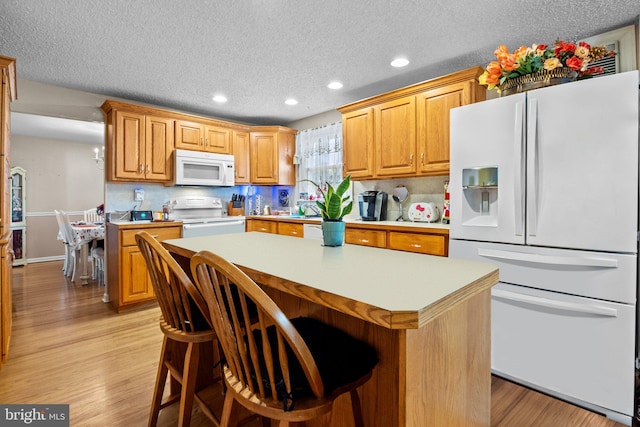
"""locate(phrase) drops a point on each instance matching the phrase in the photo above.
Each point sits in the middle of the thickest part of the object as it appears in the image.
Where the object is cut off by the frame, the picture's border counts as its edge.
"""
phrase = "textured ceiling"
(258, 53)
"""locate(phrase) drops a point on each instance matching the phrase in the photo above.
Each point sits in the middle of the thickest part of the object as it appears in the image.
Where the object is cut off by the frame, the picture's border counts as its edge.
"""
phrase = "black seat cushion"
(341, 359)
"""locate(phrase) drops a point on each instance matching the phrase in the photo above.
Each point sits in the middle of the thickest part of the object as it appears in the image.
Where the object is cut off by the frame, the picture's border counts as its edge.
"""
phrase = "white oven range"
(202, 216)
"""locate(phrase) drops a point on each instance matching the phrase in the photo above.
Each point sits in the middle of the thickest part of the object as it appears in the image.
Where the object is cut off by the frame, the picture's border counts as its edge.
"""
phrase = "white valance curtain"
(319, 157)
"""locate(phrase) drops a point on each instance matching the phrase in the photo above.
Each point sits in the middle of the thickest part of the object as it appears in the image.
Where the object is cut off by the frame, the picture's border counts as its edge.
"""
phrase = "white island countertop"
(395, 289)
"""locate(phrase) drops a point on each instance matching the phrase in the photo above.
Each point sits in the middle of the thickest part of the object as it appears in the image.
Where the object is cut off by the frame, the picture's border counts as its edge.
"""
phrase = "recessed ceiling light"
(291, 101)
(335, 85)
(399, 62)
(220, 98)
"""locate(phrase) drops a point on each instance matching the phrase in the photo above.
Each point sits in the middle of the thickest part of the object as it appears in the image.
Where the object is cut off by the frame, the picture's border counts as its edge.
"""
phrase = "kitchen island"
(428, 317)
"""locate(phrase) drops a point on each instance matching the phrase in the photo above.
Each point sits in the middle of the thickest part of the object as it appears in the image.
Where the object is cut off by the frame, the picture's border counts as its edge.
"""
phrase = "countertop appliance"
(423, 212)
(202, 216)
(531, 174)
(373, 205)
(201, 168)
(141, 215)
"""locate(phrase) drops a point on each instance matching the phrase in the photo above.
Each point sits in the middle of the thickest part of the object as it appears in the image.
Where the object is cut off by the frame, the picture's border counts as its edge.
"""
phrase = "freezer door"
(489, 134)
(600, 275)
(582, 164)
(574, 348)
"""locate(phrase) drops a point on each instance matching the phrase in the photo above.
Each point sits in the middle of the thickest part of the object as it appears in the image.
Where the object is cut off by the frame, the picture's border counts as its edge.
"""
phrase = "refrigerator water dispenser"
(480, 185)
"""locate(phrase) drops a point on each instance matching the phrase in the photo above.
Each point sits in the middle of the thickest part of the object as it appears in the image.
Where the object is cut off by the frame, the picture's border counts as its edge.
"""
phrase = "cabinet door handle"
(411, 159)
(148, 169)
(422, 159)
(202, 141)
(206, 142)
(140, 168)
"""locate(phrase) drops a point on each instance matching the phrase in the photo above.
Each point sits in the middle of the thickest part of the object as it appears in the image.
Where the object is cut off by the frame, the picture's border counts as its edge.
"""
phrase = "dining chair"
(290, 370)
(97, 256)
(68, 259)
(184, 322)
(91, 215)
(72, 245)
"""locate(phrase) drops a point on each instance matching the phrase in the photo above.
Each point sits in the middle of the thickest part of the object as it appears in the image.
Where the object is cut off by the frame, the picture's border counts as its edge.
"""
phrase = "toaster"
(424, 212)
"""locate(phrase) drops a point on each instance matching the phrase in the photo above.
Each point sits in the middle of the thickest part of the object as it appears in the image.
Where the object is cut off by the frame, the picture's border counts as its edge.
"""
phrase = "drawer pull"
(364, 240)
(415, 245)
(294, 232)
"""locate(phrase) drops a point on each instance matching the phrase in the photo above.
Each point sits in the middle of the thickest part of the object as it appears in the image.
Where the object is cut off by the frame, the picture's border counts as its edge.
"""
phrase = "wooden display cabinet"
(18, 210)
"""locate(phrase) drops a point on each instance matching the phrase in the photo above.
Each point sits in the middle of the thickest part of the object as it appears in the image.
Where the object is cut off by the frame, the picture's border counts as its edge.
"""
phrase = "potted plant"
(334, 205)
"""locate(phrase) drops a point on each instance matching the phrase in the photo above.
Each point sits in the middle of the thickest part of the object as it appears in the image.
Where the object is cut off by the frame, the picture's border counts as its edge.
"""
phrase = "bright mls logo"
(36, 415)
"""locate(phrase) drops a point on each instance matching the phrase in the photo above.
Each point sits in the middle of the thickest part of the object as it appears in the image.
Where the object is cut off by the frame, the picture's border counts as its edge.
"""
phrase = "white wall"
(60, 175)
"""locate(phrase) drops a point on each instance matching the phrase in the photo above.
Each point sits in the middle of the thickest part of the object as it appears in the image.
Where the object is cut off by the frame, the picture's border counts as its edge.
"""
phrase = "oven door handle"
(211, 224)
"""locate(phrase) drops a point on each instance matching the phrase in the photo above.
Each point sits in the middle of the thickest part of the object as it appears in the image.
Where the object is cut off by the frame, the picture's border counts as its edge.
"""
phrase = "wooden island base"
(437, 375)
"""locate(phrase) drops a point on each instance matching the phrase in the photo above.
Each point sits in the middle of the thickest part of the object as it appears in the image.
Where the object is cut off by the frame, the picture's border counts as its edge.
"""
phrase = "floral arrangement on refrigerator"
(571, 59)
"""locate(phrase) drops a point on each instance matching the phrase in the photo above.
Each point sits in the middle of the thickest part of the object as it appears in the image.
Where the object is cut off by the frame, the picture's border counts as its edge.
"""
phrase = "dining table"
(85, 234)
(428, 317)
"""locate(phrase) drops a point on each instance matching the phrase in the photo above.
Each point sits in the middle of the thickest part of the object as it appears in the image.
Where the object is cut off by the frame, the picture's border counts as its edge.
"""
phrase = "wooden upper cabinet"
(139, 146)
(271, 155)
(241, 150)
(129, 146)
(358, 154)
(217, 139)
(396, 137)
(433, 125)
(189, 135)
(158, 148)
(407, 129)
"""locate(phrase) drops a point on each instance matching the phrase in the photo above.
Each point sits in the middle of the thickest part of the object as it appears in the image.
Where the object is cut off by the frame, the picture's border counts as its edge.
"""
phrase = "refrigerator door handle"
(532, 154)
(597, 310)
(518, 183)
(547, 259)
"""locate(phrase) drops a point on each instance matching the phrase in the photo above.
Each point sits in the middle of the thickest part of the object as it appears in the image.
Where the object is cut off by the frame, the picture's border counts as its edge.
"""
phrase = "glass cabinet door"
(17, 196)
(18, 213)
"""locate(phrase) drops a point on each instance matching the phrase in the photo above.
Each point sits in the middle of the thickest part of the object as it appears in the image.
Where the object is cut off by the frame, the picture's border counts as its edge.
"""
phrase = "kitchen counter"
(428, 317)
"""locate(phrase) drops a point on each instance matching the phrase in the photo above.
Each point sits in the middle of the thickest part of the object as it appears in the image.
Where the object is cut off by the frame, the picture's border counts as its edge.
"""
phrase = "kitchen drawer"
(421, 243)
(160, 233)
(289, 229)
(356, 236)
(263, 226)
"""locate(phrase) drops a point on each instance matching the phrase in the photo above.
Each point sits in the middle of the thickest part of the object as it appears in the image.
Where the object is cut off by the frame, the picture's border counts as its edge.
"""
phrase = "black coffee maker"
(373, 205)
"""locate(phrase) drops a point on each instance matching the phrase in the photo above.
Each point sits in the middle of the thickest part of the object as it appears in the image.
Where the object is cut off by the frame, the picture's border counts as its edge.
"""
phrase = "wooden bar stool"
(184, 323)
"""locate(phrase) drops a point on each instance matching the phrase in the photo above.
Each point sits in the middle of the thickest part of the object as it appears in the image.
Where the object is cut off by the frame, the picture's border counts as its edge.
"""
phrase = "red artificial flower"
(574, 63)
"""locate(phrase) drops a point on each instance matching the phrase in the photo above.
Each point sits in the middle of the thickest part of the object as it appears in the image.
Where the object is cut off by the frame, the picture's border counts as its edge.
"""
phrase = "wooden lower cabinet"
(290, 229)
(431, 244)
(262, 226)
(375, 238)
(128, 279)
(410, 239)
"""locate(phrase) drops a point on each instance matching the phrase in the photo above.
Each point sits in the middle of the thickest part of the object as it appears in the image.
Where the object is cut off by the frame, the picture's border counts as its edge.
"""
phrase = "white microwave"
(200, 168)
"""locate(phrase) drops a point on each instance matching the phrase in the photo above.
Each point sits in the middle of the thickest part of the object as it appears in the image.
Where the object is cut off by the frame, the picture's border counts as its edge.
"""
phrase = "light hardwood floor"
(69, 347)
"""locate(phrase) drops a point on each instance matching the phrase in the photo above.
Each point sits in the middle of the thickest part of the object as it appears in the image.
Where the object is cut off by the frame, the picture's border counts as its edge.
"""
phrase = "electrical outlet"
(138, 195)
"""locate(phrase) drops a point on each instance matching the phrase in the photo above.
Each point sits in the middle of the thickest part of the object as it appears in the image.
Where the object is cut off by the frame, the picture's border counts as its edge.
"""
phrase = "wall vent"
(623, 42)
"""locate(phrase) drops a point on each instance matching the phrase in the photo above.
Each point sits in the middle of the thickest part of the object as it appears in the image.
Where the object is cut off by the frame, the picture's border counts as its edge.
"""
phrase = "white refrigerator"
(544, 184)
